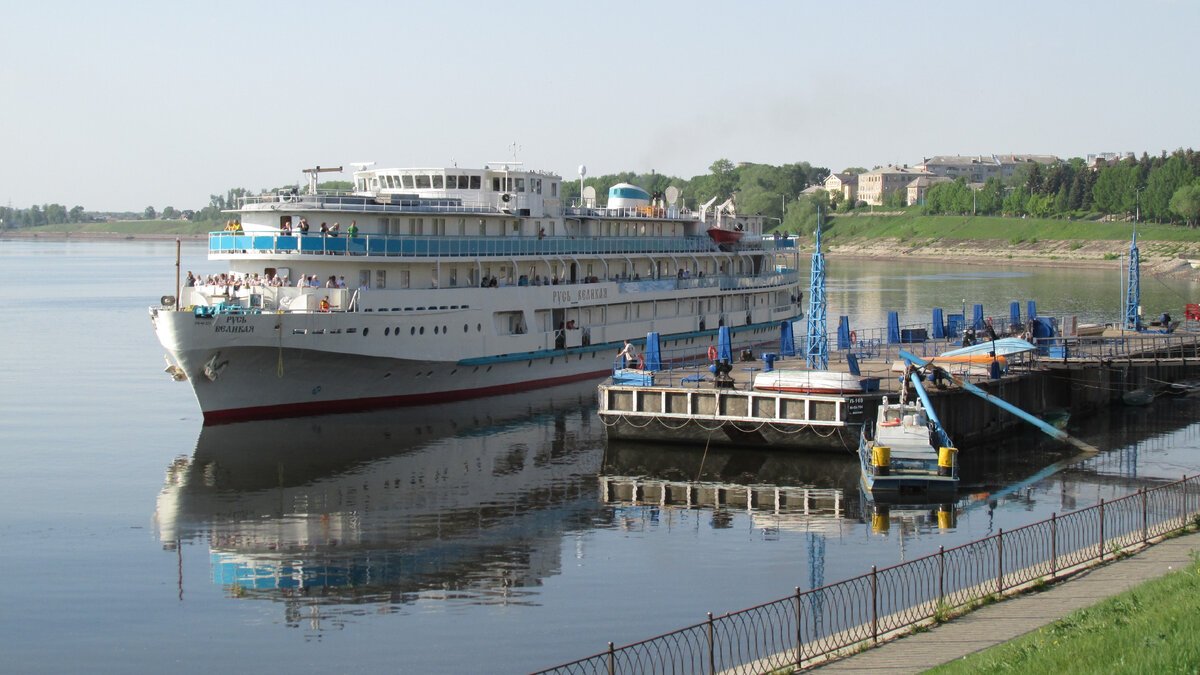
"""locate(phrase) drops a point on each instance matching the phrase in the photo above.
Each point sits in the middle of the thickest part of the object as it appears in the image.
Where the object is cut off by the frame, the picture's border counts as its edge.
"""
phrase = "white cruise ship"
(460, 283)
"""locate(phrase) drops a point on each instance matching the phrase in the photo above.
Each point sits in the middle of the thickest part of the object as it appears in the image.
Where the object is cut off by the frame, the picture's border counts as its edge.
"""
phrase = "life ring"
(641, 362)
(712, 353)
(853, 337)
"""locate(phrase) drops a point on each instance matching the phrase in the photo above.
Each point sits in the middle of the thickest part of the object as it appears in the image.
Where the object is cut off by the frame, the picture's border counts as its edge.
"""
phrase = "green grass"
(914, 225)
(1150, 629)
(131, 227)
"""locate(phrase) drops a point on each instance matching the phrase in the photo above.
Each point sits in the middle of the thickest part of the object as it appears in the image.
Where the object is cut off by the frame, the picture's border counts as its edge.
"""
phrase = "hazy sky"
(122, 105)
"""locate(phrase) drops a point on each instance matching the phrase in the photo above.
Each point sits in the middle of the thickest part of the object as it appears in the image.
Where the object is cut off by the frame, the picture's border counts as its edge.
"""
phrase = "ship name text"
(579, 295)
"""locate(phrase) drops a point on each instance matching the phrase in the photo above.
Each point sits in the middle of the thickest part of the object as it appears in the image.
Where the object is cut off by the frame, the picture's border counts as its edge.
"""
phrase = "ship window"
(422, 330)
(475, 181)
(495, 184)
(407, 181)
(520, 185)
(412, 331)
(437, 181)
(422, 181)
(451, 182)
(553, 189)
(391, 182)
(380, 278)
(539, 186)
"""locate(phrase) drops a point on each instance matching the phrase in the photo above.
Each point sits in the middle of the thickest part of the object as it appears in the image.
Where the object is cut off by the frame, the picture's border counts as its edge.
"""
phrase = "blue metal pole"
(817, 343)
(1133, 286)
(1040, 424)
(929, 411)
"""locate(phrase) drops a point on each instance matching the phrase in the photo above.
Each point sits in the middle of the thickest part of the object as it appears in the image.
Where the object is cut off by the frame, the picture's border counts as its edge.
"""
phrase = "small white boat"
(898, 456)
(808, 382)
(1002, 347)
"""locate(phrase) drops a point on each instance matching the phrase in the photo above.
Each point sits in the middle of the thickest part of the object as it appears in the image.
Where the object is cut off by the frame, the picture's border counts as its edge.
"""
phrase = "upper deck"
(412, 246)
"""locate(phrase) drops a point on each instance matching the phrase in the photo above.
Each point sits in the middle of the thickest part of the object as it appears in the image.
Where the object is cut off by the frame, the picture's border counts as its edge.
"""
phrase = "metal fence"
(793, 631)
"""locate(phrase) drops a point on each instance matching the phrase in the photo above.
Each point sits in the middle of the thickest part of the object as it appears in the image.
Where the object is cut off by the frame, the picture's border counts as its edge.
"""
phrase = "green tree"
(75, 215)
(1162, 184)
(148, 213)
(169, 212)
(1186, 203)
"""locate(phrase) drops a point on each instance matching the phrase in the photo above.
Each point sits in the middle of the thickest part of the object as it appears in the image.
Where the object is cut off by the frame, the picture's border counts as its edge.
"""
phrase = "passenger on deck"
(353, 229)
(989, 331)
(628, 354)
(303, 226)
(324, 306)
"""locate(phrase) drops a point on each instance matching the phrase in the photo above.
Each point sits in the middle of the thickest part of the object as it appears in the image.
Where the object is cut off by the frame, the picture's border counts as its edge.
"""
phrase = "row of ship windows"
(439, 182)
(413, 330)
(419, 309)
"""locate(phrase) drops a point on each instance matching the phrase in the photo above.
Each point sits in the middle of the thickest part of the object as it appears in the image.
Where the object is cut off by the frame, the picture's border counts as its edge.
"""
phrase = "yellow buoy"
(881, 460)
(947, 460)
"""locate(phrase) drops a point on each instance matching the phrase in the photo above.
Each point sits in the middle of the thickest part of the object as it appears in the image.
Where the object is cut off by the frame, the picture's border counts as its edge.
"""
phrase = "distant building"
(919, 187)
(1104, 159)
(875, 186)
(979, 168)
(844, 183)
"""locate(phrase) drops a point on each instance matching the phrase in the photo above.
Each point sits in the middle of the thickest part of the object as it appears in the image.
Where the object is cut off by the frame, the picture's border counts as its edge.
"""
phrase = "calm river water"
(464, 538)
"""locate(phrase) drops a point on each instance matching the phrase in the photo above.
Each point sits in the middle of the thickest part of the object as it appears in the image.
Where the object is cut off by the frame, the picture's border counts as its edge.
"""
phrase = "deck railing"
(389, 245)
(797, 629)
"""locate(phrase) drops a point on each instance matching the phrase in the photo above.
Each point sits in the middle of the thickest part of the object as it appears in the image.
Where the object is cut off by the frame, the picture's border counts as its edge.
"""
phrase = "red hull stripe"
(377, 402)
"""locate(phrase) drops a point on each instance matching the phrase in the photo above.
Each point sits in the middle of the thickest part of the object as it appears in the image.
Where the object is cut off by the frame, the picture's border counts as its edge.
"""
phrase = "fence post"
(612, 660)
(1101, 530)
(799, 635)
(712, 661)
(1000, 562)
(941, 576)
(874, 605)
(1183, 505)
(1145, 523)
(1053, 544)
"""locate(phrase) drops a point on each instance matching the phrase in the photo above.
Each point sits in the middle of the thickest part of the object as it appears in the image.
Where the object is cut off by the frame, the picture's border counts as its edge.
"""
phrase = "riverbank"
(1159, 258)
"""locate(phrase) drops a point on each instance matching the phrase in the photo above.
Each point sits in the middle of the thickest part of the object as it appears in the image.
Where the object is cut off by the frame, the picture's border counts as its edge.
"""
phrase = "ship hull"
(269, 371)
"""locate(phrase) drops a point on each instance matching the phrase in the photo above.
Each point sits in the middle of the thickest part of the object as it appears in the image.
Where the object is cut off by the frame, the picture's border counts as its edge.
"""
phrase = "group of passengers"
(538, 280)
(326, 229)
(235, 282)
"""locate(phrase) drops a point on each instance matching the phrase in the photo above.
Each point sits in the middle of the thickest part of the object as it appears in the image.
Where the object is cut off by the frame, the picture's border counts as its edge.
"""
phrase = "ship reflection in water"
(467, 500)
(475, 503)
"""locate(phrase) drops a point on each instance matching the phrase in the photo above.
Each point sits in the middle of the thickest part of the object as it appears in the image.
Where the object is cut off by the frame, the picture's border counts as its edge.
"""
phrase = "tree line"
(1163, 189)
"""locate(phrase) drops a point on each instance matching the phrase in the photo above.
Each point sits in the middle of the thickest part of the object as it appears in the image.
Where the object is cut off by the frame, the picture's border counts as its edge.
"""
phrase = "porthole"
(387, 331)
(365, 329)
(422, 331)
(466, 328)
(397, 329)
(435, 330)
(445, 330)
(478, 328)
(412, 331)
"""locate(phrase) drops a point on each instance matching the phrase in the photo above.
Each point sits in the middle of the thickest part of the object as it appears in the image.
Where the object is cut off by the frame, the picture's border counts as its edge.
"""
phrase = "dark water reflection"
(465, 501)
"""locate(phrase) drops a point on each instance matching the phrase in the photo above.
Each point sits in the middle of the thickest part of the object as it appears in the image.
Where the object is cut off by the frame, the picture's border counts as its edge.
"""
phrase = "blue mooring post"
(893, 328)
(978, 317)
(1014, 316)
(939, 327)
(843, 333)
(1031, 310)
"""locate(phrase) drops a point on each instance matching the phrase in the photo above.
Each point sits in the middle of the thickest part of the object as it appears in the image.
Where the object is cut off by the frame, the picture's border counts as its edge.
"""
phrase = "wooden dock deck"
(1079, 375)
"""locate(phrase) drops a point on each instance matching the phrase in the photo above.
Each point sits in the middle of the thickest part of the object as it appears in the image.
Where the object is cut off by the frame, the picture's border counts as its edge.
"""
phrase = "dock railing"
(799, 629)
